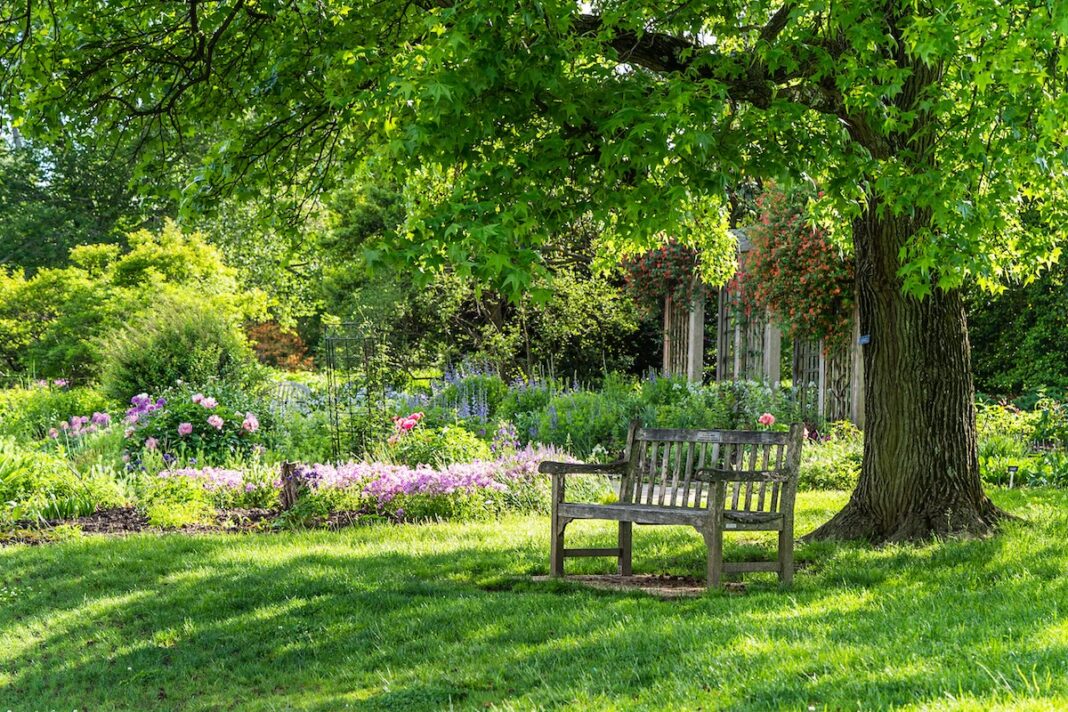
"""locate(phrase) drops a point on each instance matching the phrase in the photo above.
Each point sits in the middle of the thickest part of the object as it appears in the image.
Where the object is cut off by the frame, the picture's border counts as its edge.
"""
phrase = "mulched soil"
(120, 521)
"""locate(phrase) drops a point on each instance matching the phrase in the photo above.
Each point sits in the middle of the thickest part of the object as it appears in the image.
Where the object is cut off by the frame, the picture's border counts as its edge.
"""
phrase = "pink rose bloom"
(767, 419)
(53, 433)
(151, 443)
(197, 397)
(209, 403)
(185, 429)
(215, 422)
(251, 423)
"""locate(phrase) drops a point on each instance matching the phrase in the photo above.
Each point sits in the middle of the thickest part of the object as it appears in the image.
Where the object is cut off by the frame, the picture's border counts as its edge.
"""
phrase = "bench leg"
(625, 547)
(556, 549)
(714, 542)
(786, 556)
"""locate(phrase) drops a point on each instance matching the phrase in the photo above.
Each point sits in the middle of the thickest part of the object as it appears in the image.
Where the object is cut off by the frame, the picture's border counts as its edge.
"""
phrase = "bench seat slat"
(638, 513)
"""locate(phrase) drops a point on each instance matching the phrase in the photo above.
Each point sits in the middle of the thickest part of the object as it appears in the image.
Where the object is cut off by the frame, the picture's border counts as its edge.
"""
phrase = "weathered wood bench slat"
(694, 478)
(710, 436)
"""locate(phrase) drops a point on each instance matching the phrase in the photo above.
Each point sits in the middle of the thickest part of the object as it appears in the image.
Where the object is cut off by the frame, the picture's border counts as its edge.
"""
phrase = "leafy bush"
(36, 485)
(57, 322)
(303, 437)
(436, 446)
(28, 412)
(523, 403)
(581, 421)
(832, 463)
(175, 343)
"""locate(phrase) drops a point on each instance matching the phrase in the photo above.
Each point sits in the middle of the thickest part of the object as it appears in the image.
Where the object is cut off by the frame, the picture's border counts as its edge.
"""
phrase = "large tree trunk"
(920, 476)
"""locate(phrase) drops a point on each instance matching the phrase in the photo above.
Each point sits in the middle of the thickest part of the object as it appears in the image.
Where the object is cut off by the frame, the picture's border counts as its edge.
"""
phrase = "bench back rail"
(681, 468)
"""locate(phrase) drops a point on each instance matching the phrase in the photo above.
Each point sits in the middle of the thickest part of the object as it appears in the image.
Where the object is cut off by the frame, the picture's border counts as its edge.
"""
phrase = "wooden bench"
(712, 480)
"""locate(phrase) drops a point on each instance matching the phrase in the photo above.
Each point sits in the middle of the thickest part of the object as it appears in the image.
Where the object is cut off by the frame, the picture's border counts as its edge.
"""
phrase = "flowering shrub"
(186, 423)
(660, 272)
(795, 272)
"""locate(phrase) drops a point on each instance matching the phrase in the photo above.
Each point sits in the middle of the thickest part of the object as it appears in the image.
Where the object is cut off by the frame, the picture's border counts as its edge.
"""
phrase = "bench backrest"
(679, 468)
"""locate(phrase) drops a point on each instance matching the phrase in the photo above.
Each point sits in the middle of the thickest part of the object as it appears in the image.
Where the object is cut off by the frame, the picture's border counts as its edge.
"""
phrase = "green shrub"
(522, 406)
(585, 420)
(996, 420)
(36, 485)
(833, 463)
(303, 437)
(27, 412)
(436, 446)
(176, 343)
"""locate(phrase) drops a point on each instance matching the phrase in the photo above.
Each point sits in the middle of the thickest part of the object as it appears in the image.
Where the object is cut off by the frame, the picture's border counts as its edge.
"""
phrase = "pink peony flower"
(209, 403)
(185, 429)
(766, 420)
(251, 423)
(215, 422)
(151, 443)
(197, 397)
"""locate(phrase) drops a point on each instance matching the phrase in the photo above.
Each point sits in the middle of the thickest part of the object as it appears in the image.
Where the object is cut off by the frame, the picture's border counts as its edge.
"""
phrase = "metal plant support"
(359, 370)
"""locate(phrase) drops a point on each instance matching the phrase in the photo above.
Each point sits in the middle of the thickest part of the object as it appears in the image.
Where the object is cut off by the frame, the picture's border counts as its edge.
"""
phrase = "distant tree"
(53, 199)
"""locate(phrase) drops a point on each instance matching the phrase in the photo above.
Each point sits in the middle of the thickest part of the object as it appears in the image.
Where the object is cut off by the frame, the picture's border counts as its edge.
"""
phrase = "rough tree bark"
(920, 475)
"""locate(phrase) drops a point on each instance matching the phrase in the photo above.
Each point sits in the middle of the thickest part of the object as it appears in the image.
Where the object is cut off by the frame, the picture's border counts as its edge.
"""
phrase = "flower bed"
(470, 490)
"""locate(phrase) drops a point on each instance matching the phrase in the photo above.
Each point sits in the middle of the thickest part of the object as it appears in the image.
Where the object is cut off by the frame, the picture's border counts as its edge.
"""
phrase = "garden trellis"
(829, 381)
(358, 366)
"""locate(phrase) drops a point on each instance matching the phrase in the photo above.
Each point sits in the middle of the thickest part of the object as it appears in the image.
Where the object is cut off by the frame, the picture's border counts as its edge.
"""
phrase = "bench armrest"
(581, 468)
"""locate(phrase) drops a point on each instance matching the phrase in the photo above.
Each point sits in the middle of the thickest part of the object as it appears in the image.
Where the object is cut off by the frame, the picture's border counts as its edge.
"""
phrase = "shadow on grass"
(438, 616)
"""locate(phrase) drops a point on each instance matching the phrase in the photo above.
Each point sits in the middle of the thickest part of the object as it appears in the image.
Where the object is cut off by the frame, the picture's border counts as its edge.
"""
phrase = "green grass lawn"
(445, 615)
